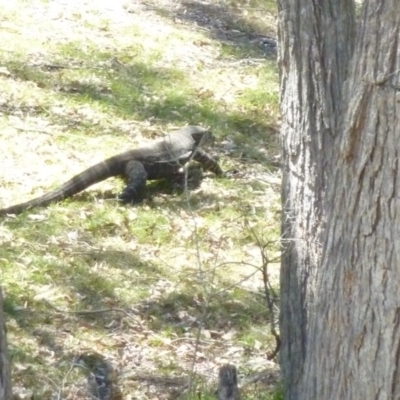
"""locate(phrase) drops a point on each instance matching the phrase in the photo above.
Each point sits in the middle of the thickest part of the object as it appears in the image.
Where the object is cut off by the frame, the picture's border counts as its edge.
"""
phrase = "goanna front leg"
(189, 177)
(207, 162)
(136, 177)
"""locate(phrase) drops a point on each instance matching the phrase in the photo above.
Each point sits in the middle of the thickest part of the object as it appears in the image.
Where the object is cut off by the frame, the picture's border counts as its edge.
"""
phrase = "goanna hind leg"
(136, 177)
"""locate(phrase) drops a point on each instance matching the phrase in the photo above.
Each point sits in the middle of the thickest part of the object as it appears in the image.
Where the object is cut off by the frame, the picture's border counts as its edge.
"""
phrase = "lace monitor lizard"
(163, 158)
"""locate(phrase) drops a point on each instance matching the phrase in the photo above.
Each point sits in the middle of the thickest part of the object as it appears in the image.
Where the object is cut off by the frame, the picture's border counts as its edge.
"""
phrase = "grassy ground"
(174, 283)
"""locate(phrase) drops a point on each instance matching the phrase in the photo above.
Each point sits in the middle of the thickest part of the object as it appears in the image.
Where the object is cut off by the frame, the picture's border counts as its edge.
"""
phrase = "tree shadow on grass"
(96, 291)
(83, 279)
(244, 31)
(138, 91)
(101, 311)
(184, 311)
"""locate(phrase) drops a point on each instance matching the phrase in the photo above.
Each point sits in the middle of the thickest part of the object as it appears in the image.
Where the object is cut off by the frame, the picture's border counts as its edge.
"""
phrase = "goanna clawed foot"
(131, 196)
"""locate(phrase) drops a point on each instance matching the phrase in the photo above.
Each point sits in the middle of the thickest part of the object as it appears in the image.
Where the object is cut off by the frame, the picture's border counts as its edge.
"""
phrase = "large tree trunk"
(315, 46)
(355, 329)
(341, 314)
(5, 380)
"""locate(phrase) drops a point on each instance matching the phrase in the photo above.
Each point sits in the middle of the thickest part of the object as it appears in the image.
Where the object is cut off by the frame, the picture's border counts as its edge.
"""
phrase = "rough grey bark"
(355, 326)
(316, 42)
(5, 380)
(340, 314)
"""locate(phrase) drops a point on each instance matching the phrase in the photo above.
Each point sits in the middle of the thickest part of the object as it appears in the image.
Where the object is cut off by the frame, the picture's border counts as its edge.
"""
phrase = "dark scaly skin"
(163, 158)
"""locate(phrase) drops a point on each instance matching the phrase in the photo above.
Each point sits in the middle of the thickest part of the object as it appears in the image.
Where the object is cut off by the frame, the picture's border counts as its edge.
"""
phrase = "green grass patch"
(157, 284)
